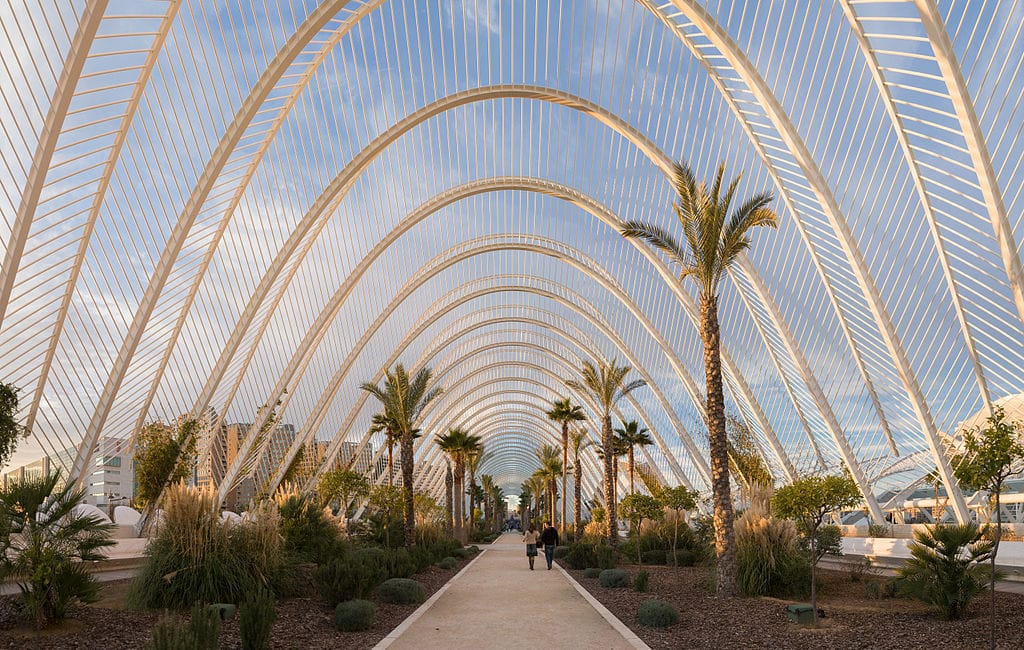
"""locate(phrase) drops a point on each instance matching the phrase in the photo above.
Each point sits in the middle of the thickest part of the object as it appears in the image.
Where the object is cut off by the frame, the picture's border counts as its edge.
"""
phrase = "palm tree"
(607, 384)
(564, 411)
(473, 461)
(550, 469)
(382, 424)
(449, 502)
(459, 445)
(525, 496)
(535, 484)
(403, 400)
(578, 441)
(631, 434)
(619, 449)
(487, 483)
(716, 232)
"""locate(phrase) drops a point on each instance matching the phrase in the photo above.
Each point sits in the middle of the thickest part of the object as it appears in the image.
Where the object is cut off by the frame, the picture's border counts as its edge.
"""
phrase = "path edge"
(612, 619)
(412, 618)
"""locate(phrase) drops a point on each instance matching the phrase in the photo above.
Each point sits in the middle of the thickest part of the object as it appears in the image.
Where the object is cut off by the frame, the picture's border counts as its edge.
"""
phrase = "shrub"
(354, 576)
(43, 541)
(879, 530)
(461, 553)
(592, 572)
(771, 562)
(200, 633)
(614, 578)
(401, 591)
(685, 557)
(654, 557)
(580, 556)
(474, 549)
(308, 532)
(606, 557)
(256, 617)
(399, 563)
(560, 551)
(354, 615)
(195, 557)
(640, 581)
(447, 563)
(656, 613)
(946, 568)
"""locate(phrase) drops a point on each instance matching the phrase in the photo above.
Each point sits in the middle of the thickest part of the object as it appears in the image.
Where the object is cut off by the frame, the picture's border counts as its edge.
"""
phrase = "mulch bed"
(306, 622)
(853, 620)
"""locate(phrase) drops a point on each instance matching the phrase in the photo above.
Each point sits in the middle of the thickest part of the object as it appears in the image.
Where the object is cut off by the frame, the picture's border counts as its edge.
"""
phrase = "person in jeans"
(530, 537)
(549, 537)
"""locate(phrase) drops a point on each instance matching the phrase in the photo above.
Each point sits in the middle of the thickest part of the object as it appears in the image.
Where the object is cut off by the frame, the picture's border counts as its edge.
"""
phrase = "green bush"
(353, 576)
(685, 557)
(656, 613)
(607, 558)
(770, 559)
(44, 545)
(654, 557)
(201, 632)
(354, 615)
(447, 563)
(580, 556)
(614, 578)
(947, 568)
(256, 617)
(879, 530)
(399, 563)
(560, 551)
(591, 572)
(640, 581)
(196, 557)
(401, 591)
(474, 549)
(308, 533)
(461, 553)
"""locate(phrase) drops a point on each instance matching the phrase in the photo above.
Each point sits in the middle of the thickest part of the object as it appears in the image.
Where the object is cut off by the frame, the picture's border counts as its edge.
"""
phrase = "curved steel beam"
(53, 125)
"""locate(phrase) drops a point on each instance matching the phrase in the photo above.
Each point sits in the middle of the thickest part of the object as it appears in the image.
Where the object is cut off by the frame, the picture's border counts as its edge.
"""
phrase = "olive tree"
(10, 430)
(635, 508)
(681, 500)
(808, 501)
(988, 458)
(164, 455)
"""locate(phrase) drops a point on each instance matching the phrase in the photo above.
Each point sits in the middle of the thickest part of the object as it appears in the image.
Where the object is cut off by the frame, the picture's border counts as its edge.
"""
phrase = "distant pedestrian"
(530, 537)
(549, 537)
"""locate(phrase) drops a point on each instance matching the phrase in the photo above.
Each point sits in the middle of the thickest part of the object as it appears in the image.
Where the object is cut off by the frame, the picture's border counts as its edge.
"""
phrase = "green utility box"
(226, 611)
(801, 613)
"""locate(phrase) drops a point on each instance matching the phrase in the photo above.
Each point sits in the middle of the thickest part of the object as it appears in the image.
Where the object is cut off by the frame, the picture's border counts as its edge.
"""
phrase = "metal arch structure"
(154, 185)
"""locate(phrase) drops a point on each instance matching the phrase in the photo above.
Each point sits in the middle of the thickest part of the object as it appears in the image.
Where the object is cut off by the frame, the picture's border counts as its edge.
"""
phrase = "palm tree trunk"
(632, 490)
(725, 542)
(565, 467)
(576, 500)
(391, 466)
(472, 502)
(410, 512)
(609, 480)
(448, 511)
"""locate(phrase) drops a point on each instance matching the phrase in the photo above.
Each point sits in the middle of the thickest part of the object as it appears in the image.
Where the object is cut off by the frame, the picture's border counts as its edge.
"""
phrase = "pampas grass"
(771, 562)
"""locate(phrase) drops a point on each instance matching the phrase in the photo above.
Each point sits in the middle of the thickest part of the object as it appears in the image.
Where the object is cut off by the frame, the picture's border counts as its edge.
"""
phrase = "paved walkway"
(497, 602)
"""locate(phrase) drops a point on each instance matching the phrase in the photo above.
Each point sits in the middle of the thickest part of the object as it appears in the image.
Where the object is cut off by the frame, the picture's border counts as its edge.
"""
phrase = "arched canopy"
(207, 209)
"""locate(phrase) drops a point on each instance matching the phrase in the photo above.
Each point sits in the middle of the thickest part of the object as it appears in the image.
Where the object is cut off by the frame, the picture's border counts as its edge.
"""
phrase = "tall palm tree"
(474, 459)
(459, 445)
(563, 411)
(716, 232)
(550, 458)
(487, 483)
(578, 441)
(382, 424)
(449, 501)
(632, 435)
(536, 487)
(607, 383)
(403, 400)
(525, 498)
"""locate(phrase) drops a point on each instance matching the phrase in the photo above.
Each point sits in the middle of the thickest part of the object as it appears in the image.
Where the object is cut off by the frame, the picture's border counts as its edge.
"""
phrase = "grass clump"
(771, 560)
(196, 557)
(256, 617)
(354, 615)
(353, 575)
(591, 572)
(640, 581)
(656, 613)
(201, 632)
(613, 578)
(309, 533)
(402, 591)
(581, 555)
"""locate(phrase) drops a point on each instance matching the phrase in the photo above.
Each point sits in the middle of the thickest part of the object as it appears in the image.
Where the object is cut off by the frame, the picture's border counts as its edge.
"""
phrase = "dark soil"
(853, 620)
(306, 622)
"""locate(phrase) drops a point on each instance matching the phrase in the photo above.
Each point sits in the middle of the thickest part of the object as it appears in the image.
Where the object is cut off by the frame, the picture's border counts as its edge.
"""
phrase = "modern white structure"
(227, 205)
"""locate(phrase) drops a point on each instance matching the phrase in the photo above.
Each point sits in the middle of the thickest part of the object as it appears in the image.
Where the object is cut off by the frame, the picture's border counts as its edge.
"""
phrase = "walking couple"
(548, 538)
